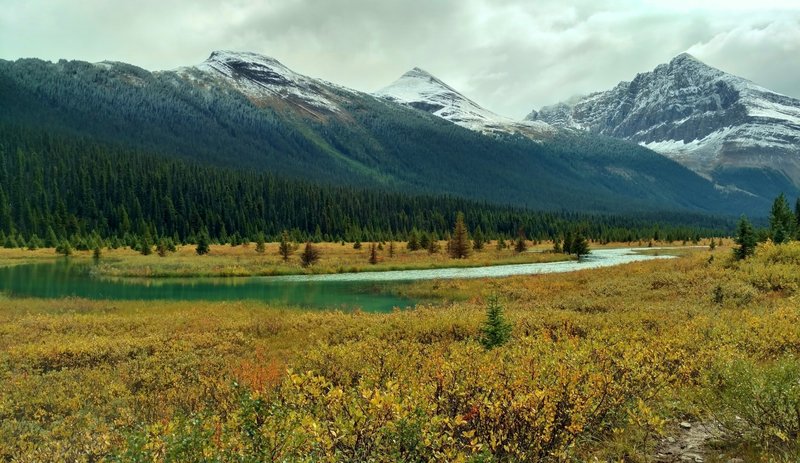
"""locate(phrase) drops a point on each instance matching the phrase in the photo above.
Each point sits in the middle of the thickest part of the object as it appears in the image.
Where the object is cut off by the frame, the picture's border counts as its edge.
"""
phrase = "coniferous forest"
(54, 188)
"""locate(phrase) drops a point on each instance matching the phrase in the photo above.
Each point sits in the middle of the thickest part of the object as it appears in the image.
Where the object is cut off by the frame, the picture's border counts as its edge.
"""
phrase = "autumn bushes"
(376, 401)
(600, 364)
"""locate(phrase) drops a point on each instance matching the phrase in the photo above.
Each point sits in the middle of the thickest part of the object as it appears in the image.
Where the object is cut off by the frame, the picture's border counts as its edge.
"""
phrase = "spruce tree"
(413, 240)
(309, 256)
(478, 240)
(357, 244)
(145, 248)
(568, 239)
(285, 248)
(433, 247)
(261, 246)
(51, 240)
(373, 254)
(496, 330)
(391, 249)
(580, 247)
(797, 218)
(34, 243)
(557, 245)
(459, 245)
(782, 221)
(424, 240)
(203, 247)
(97, 253)
(521, 245)
(501, 243)
(161, 247)
(745, 238)
(65, 248)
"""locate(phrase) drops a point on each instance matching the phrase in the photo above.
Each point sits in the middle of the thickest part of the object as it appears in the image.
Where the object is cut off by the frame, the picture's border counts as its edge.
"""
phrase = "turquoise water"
(66, 279)
(369, 291)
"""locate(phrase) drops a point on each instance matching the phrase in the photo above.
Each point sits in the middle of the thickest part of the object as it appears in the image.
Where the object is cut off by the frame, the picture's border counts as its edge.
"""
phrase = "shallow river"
(370, 291)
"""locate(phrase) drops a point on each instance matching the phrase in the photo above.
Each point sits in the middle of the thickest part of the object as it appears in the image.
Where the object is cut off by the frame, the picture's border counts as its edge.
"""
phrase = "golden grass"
(647, 343)
(226, 260)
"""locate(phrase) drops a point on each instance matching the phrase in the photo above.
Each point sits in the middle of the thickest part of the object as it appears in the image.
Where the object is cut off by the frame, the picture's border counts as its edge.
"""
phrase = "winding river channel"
(369, 291)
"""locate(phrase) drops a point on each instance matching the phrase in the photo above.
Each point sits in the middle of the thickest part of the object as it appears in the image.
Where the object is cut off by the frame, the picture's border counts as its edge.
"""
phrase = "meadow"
(244, 260)
(602, 365)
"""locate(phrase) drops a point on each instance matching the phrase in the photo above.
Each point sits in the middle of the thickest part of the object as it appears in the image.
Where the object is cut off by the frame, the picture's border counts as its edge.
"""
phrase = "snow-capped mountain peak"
(421, 90)
(718, 124)
(262, 78)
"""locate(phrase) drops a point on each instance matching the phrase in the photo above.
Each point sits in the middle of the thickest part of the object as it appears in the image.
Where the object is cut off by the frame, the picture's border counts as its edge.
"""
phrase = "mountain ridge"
(422, 90)
(236, 112)
(728, 129)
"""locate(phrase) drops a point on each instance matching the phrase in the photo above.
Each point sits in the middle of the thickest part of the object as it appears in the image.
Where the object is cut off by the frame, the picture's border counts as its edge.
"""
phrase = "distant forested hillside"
(54, 188)
(369, 143)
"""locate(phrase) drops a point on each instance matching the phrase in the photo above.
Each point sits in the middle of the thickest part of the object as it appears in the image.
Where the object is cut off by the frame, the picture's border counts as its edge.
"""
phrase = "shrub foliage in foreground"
(372, 401)
(600, 365)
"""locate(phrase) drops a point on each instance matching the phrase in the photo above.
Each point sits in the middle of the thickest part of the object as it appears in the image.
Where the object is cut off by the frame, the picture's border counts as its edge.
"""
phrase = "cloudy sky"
(509, 55)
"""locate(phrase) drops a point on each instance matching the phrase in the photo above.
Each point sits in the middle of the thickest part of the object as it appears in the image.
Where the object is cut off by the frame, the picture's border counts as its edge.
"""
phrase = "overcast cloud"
(508, 55)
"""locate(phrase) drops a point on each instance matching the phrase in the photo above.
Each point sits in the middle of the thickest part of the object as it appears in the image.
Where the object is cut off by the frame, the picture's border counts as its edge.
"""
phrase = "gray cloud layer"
(508, 55)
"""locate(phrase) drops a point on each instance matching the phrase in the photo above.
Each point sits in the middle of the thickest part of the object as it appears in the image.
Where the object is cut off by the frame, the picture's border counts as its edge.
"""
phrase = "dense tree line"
(54, 188)
(784, 226)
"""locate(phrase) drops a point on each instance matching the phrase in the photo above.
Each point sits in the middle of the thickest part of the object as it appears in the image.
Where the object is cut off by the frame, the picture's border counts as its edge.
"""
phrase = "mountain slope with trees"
(56, 188)
(363, 141)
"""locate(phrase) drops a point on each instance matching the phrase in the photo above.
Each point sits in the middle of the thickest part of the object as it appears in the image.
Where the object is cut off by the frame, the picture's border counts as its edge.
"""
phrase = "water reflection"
(65, 278)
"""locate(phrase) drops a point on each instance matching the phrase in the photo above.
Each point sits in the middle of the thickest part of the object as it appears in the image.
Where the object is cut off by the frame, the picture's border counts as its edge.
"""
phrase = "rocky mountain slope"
(421, 90)
(726, 128)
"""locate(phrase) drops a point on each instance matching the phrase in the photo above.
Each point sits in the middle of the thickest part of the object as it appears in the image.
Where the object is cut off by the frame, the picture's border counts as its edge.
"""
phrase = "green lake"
(67, 279)
(368, 291)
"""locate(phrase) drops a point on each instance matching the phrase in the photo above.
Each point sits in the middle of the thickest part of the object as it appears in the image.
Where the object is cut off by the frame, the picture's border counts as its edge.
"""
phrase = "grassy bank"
(245, 261)
(602, 365)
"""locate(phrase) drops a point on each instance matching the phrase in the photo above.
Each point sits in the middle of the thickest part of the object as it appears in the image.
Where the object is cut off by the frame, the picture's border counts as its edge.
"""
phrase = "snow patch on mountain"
(421, 90)
(261, 77)
(695, 114)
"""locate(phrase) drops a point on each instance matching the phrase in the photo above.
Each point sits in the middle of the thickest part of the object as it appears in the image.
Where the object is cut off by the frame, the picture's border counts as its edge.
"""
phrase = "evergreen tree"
(433, 247)
(373, 254)
(782, 221)
(161, 247)
(712, 245)
(568, 240)
(501, 243)
(459, 247)
(357, 244)
(413, 240)
(745, 238)
(424, 240)
(261, 246)
(203, 247)
(34, 243)
(97, 253)
(51, 240)
(797, 218)
(65, 248)
(478, 240)
(391, 249)
(496, 330)
(580, 247)
(521, 245)
(309, 256)
(557, 245)
(285, 248)
(145, 248)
